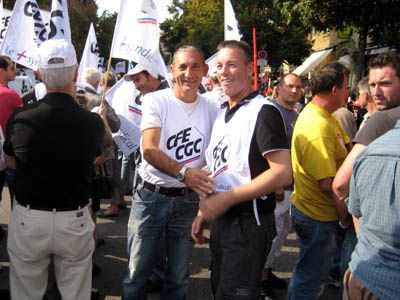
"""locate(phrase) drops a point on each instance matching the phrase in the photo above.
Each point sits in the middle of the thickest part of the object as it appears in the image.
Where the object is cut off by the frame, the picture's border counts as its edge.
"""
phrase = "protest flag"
(24, 34)
(90, 57)
(59, 21)
(231, 28)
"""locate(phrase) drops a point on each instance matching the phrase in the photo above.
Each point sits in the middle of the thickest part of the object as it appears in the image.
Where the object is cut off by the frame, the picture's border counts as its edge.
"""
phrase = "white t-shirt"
(185, 131)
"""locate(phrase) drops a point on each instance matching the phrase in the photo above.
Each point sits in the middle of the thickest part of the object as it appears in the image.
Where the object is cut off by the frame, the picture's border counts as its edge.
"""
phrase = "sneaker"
(333, 282)
(273, 280)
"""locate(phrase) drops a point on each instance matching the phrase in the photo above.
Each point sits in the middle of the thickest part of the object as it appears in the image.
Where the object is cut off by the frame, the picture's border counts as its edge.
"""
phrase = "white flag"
(24, 34)
(122, 98)
(136, 34)
(90, 57)
(59, 21)
(231, 28)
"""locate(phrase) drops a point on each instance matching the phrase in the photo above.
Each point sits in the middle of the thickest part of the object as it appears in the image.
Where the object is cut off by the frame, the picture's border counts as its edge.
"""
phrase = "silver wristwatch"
(181, 174)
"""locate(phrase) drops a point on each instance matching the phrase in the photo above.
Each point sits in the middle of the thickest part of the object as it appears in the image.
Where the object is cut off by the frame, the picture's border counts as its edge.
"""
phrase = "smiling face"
(187, 70)
(234, 73)
(385, 87)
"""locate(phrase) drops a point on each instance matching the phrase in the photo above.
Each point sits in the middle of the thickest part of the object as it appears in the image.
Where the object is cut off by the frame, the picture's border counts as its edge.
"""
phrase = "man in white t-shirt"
(176, 127)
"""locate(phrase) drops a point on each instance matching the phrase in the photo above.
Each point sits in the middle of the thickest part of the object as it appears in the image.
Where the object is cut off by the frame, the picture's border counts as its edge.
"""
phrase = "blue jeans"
(349, 243)
(152, 214)
(312, 269)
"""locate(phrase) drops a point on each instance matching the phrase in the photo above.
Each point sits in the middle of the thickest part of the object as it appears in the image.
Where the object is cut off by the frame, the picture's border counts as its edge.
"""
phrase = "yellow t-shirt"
(318, 150)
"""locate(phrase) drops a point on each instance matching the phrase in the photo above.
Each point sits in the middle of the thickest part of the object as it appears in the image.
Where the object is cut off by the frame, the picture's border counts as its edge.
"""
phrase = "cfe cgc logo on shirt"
(187, 145)
(220, 154)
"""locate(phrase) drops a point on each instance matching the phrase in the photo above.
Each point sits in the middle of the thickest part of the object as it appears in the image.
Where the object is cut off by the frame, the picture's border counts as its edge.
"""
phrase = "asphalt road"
(112, 258)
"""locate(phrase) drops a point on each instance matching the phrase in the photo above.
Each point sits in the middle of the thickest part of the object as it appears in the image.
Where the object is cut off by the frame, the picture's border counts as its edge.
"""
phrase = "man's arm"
(340, 185)
(343, 175)
(195, 179)
(277, 176)
(341, 208)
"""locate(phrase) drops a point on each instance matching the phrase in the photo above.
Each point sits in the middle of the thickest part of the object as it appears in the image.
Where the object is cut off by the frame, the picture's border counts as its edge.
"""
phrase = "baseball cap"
(54, 54)
(141, 66)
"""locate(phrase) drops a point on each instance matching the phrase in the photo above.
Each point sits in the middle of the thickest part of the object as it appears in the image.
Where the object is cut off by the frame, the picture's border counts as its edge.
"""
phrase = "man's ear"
(334, 90)
(250, 69)
(206, 67)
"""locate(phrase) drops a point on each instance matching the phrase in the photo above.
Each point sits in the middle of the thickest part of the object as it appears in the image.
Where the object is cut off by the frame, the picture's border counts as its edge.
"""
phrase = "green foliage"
(377, 20)
(104, 28)
(202, 23)
(193, 22)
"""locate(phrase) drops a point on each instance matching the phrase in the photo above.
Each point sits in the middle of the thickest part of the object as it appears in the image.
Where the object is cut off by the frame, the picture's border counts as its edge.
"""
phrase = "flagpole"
(105, 84)
(255, 60)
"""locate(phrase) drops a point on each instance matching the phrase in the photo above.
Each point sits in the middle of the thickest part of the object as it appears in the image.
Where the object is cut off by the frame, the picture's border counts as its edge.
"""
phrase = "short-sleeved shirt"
(318, 150)
(54, 143)
(375, 199)
(379, 123)
(268, 136)
(9, 101)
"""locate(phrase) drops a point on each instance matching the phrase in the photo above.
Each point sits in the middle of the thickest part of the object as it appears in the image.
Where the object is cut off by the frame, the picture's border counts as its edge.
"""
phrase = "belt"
(172, 192)
(53, 209)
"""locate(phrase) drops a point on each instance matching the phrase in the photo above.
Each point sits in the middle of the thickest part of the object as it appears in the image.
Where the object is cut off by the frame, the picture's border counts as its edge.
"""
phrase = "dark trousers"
(238, 249)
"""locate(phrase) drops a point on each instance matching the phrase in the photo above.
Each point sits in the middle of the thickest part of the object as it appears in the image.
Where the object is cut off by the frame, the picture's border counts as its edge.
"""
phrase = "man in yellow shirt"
(318, 150)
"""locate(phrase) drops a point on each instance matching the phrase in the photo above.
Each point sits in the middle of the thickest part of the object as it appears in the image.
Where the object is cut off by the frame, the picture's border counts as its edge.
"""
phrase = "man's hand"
(198, 228)
(199, 181)
(215, 205)
(280, 195)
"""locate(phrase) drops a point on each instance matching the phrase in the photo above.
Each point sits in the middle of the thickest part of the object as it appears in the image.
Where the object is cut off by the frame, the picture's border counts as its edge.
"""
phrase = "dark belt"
(172, 192)
(37, 207)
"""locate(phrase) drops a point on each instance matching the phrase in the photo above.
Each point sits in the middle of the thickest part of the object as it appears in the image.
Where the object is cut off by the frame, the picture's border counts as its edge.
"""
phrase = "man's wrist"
(181, 174)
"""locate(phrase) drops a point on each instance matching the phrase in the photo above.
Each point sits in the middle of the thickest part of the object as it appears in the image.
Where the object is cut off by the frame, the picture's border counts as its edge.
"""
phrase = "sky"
(113, 6)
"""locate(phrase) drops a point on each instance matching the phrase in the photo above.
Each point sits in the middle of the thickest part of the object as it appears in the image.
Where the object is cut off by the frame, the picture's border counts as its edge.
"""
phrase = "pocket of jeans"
(144, 196)
(191, 199)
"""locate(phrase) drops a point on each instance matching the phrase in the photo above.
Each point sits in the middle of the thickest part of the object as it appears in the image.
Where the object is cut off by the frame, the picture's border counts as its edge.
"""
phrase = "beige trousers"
(36, 237)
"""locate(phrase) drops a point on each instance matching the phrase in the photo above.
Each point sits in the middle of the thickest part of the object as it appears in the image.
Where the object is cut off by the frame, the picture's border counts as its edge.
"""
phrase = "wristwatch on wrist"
(181, 174)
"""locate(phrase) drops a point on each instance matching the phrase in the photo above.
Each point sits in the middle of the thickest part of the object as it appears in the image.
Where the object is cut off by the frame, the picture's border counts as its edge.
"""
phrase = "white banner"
(6, 17)
(136, 34)
(59, 21)
(231, 27)
(122, 98)
(90, 57)
(24, 34)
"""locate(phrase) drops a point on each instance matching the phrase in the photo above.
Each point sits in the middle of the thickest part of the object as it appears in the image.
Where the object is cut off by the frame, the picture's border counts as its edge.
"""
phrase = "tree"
(202, 22)
(193, 22)
(284, 39)
(376, 20)
(104, 28)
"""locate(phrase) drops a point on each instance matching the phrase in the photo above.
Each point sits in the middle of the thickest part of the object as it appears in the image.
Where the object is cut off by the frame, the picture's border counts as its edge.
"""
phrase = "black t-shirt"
(269, 135)
(54, 143)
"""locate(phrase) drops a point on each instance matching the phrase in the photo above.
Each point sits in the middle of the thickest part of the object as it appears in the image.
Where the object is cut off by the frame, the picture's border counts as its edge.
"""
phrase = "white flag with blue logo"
(136, 34)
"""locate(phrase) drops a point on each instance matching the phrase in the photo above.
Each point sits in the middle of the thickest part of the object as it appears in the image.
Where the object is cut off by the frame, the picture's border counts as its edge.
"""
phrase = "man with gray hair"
(52, 144)
(365, 99)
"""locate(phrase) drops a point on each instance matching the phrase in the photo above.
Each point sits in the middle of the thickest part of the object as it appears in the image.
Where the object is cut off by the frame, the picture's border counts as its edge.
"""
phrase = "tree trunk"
(362, 44)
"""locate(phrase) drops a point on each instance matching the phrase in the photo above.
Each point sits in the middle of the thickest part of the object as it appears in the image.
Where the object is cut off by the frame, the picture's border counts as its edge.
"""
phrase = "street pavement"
(112, 258)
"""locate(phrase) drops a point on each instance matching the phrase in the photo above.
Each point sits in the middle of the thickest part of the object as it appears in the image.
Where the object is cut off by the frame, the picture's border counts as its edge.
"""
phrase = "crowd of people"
(249, 166)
